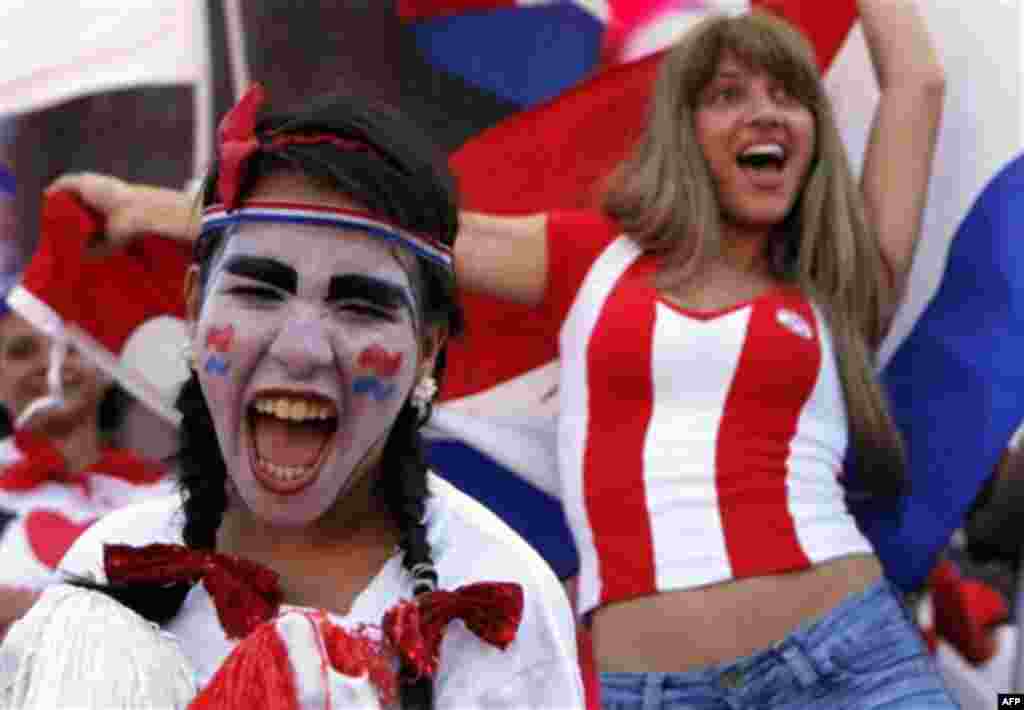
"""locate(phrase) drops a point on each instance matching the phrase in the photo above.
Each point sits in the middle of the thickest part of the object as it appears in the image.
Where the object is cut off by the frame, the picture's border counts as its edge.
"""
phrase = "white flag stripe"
(54, 52)
(981, 51)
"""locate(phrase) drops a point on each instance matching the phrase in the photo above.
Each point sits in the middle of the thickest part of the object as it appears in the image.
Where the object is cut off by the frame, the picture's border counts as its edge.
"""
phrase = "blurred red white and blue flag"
(951, 364)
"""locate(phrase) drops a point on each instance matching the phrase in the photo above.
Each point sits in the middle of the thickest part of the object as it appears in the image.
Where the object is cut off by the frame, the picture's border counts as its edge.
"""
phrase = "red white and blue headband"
(217, 217)
(238, 141)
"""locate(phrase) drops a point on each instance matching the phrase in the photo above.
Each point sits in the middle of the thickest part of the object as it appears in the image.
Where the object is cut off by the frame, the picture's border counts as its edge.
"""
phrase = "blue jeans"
(865, 654)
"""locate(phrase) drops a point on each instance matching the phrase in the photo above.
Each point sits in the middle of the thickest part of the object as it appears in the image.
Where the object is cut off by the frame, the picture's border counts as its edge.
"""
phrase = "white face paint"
(307, 349)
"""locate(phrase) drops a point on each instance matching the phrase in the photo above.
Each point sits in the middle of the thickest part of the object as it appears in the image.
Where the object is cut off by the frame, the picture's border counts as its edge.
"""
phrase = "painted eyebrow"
(269, 271)
(367, 288)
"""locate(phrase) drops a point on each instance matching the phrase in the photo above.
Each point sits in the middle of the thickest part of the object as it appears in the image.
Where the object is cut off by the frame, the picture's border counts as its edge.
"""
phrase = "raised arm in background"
(131, 209)
(898, 160)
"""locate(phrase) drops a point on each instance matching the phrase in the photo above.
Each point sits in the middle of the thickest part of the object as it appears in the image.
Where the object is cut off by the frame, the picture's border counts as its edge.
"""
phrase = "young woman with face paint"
(320, 300)
(719, 316)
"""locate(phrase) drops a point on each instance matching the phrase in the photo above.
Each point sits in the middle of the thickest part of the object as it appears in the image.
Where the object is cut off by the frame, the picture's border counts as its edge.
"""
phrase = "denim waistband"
(801, 660)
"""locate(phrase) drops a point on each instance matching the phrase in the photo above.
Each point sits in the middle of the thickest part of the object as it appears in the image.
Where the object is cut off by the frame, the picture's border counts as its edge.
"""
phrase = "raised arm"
(133, 209)
(898, 160)
(500, 256)
(504, 257)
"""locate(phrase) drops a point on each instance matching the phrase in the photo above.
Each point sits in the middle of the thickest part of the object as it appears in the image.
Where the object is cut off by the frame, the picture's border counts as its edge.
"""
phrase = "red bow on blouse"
(491, 610)
(247, 594)
(244, 593)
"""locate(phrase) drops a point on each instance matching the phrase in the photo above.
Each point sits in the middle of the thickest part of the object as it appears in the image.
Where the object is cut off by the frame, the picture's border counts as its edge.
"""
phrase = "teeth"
(769, 149)
(292, 408)
(285, 473)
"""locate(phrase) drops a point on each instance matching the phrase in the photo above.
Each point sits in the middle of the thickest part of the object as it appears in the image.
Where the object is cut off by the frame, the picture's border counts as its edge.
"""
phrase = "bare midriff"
(678, 631)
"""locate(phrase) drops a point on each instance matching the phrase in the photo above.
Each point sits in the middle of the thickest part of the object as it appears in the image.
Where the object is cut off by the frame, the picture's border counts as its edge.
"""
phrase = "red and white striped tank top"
(693, 447)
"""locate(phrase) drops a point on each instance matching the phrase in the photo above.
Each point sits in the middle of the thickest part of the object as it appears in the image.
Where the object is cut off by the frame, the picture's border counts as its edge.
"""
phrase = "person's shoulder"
(471, 543)
(159, 519)
(578, 221)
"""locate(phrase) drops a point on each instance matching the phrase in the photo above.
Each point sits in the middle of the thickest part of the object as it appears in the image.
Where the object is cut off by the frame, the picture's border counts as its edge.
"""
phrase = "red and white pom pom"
(302, 661)
(77, 648)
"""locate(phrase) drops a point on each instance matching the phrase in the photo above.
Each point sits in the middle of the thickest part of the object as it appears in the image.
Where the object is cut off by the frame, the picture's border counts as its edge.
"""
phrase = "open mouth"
(763, 159)
(290, 437)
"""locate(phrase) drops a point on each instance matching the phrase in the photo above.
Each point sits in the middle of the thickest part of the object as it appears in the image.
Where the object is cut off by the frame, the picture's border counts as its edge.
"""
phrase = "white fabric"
(696, 363)
(56, 51)
(982, 127)
(50, 660)
(469, 544)
(154, 350)
(69, 507)
(318, 684)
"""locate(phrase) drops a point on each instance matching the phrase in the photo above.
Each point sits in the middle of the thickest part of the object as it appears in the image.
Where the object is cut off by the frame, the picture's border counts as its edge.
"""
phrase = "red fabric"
(51, 534)
(588, 668)
(257, 674)
(42, 462)
(412, 10)
(354, 653)
(966, 612)
(826, 24)
(238, 143)
(125, 289)
(616, 505)
(244, 593)
(551, 157)
(237, 138)
(554, 157)
(491, 610)
(764, 408)
(575, 238)
(260, 674)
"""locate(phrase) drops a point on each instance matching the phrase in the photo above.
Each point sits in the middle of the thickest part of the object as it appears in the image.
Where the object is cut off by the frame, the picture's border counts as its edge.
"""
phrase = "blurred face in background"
(24, 359)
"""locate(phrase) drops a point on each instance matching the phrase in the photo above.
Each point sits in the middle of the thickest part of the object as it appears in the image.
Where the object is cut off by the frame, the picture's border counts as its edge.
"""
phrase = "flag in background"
(530, 51)
(953, 379)
(54, 52)
(952, 364)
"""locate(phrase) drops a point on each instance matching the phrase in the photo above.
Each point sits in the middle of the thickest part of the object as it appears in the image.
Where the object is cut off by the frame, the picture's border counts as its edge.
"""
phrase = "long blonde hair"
(664, 197)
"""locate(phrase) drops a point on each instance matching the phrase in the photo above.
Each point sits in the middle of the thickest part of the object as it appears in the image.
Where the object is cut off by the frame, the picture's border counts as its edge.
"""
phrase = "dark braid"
(403, 487)
(203, 473)
(201, 480)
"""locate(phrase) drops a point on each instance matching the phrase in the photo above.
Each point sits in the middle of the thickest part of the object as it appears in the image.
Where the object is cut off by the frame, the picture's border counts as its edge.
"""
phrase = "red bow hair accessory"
(415, 629)
(238, 142)
(244, 593)
(237, 138)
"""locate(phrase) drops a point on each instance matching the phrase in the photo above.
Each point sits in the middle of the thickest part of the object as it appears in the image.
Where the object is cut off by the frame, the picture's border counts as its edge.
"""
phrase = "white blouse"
(468, 543)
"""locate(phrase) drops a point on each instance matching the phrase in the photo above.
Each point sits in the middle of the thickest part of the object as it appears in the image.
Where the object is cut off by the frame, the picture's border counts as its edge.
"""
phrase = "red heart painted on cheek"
(50, 534)
(219, 339)
(380, 361)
